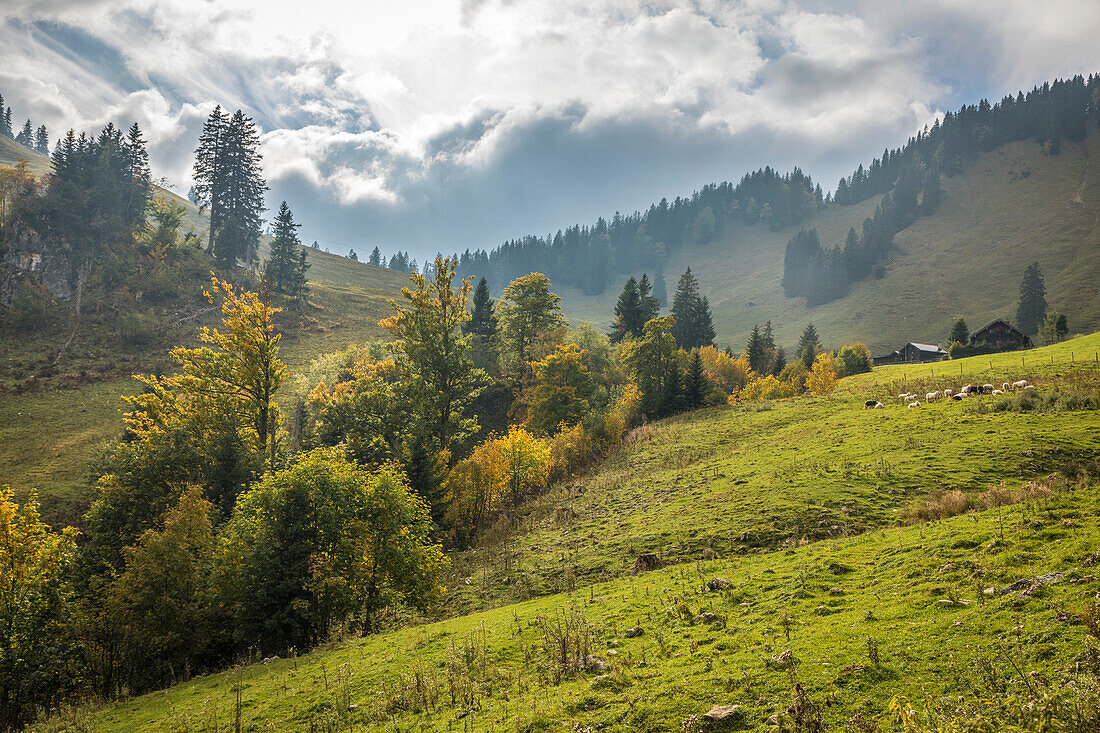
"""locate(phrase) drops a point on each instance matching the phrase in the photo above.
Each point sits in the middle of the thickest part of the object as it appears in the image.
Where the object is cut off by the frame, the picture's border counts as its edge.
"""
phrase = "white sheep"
(1004, 386)
(1019, 385)
(948, 392)
(1029, 386)
(879, 406)
(911, 405)
(987, 388)
(931, 396)
(997, 392)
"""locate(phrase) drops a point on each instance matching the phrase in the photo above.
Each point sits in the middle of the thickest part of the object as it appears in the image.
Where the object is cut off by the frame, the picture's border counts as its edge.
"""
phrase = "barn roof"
(928, 347)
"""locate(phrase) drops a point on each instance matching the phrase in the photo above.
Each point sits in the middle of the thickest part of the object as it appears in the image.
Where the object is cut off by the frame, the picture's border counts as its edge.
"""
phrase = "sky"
(439, 125)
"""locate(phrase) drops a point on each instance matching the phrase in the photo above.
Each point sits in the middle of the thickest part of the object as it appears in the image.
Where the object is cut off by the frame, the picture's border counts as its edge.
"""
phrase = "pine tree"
(297, 287)
(5, 120)
(809, 346)
(629, 315)
(281, 268)
(960, 334)
(42, 140)
(353, 256)
(659, 290)
(483, 319)
(780, 361)
(376, 257)
(26, 135)
(1033, 303)
(693, 327)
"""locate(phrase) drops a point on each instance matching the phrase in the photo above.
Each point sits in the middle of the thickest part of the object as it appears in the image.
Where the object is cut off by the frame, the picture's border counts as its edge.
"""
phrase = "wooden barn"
(1001, 334)
(912, 353)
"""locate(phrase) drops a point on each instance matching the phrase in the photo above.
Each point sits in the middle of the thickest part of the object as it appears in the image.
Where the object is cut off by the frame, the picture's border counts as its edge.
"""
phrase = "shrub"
(854, 359)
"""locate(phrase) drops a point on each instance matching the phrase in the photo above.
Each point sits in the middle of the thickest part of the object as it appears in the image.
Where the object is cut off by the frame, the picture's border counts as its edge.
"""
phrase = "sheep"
(987, 389)
(1029, 386)
(958, 397)
(1004, 386)
(905, 396)
(879, 406)
(1019, 385)
(870, 404)
(948, 392)
(913, 404)
(968, 389)
(998, 392)
(931, 396)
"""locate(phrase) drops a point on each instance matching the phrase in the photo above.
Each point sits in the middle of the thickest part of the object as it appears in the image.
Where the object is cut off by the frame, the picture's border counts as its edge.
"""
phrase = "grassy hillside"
(833, 606)
(1007, 209)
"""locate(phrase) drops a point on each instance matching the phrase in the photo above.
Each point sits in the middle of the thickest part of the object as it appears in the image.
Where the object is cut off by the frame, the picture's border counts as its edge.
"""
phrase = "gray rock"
(632, 633)
(709, 617)
(592, 663)
(718, 584)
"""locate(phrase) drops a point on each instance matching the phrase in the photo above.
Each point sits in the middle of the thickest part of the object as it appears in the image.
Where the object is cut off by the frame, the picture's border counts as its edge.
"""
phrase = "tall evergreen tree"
(138, 173)
(629, 314)
(697, 385)
(5, 118)
(659, 290)
(242, 197)
(1032, 309)
(755, 351)
(960, 334)
(809, 346)
(353, 256)
(693, 327)
(780, 362)
(42, 140)
(651, 305)
(282, 266)
(376, 257)
(210, 160)
(26, 135)
(483, 319)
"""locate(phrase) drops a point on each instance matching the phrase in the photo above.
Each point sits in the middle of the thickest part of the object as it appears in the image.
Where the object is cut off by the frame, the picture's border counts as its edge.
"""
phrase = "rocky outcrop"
(29, 257)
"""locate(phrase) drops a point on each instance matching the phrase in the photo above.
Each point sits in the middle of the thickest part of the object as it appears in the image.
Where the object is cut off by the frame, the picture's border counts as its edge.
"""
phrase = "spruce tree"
(5, 121)
(659, 290)
(353, 256)
(960, 334)
(780, 361)
(1032, 309)
(809, 346)
(42, 140)
(651, 305)
(138, 173)
(26, 135)
(242, 197)
(210, 160)
(297, 288)
(282, 266)
(629, 316)
(754, 350)
(376, 257)
(483, 319)
(698, 385)
(693, 327)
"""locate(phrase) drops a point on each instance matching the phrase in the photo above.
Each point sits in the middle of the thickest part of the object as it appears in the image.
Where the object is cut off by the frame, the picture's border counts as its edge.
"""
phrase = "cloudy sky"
(439, 125)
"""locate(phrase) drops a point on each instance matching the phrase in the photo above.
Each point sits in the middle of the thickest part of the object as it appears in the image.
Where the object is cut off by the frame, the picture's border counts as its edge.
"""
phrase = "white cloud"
(382, 111)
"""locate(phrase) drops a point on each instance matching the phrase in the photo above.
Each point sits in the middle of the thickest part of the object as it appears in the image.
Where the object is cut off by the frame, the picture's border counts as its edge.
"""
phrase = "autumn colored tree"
(852, 359)
(563, 386)
(822, 377)
(37, 653)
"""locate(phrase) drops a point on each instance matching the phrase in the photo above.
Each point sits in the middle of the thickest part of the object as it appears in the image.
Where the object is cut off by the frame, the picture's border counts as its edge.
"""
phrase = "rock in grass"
(718, 584)
(709, 618)
(592, 663)
(631, 633)
(723, 712)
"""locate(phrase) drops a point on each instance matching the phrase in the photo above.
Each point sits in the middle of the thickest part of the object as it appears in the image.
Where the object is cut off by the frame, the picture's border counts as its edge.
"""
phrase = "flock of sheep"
(970, 390)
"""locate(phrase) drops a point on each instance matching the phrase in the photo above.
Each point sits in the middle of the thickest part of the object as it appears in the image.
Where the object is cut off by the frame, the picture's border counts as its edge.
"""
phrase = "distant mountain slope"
(1008, 208)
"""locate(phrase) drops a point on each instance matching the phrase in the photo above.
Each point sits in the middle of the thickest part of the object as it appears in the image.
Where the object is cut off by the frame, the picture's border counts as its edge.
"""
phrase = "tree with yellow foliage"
(822, 377)
(563, 388)
(36, 658)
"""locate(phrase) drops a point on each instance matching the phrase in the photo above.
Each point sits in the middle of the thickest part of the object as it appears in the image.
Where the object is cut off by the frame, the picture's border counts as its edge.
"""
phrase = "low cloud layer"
(458, 124)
